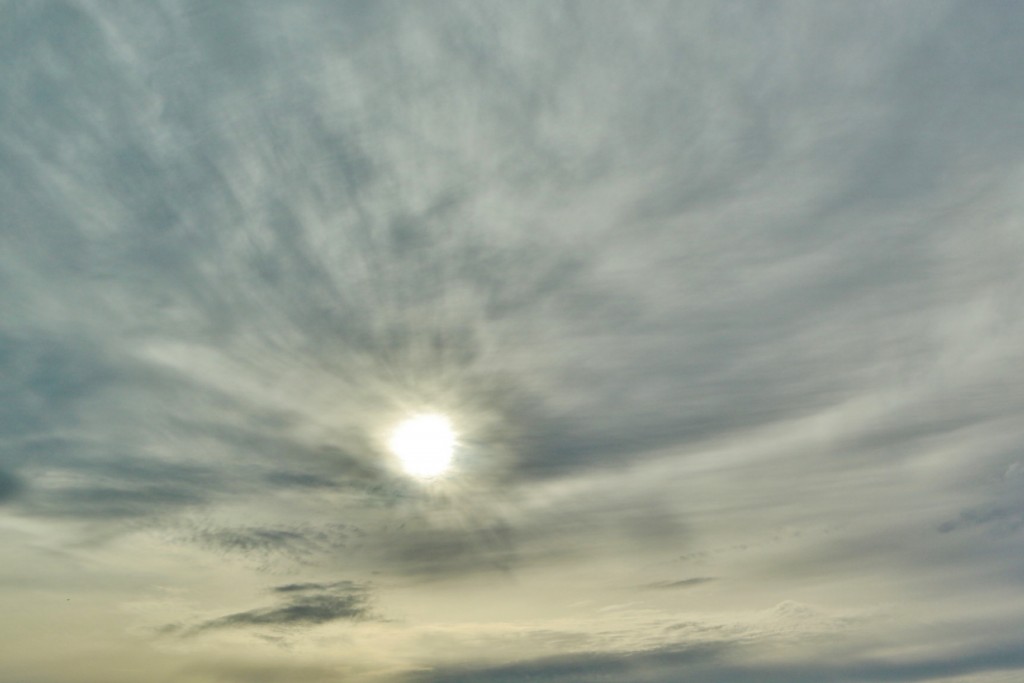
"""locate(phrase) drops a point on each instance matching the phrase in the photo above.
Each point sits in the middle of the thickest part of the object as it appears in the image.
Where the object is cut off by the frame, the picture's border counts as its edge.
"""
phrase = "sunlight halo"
(424, 444)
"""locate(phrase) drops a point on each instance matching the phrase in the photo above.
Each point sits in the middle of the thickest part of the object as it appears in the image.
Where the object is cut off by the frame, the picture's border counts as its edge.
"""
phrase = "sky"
(722, 301)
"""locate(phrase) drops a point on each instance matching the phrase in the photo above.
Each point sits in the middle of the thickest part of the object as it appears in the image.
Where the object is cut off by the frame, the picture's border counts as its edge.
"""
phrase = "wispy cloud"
(722, 299)
(680, 583)
(299, 605)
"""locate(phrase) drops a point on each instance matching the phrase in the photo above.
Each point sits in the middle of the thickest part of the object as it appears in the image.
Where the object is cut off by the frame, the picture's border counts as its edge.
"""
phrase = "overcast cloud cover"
(724, 300)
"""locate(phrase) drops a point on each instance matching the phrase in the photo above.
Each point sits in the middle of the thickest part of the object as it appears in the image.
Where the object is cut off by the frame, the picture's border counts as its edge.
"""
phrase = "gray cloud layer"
(707, 665)
(723, 299)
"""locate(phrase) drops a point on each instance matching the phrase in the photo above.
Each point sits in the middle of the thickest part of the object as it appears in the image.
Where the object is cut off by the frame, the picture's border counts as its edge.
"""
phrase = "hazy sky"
(724, 300)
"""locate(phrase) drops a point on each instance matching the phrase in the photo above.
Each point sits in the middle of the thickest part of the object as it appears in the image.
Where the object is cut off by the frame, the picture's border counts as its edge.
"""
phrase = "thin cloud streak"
(300, 605)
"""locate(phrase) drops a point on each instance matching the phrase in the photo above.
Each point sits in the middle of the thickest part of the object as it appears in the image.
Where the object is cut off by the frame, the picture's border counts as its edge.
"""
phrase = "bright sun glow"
(424, 444)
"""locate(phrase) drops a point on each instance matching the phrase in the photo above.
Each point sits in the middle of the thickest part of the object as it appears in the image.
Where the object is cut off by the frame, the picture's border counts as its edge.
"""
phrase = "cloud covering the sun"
(722, 299)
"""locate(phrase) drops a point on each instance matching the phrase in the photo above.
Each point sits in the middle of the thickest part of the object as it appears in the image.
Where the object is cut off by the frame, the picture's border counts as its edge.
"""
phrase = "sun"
(424, 444)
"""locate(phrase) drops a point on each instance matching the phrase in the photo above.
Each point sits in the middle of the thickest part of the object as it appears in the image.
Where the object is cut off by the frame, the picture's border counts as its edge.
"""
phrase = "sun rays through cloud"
(540, 341)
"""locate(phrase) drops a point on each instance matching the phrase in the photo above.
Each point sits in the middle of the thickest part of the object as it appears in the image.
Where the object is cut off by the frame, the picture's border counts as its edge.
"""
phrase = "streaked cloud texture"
(724, 300)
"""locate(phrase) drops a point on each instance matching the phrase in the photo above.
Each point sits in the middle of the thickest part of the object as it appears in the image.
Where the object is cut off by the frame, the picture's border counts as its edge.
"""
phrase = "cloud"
(681, 583)
(717, 290)
(1005, 520)
(711, 664)
(300, 605)
(305, 587)
(640, 667)
(308, 610)
(266, 672)
(107, 502)
(268, 546)
(75, 480)
(443, 553)
(46, 375)
(10, 486)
